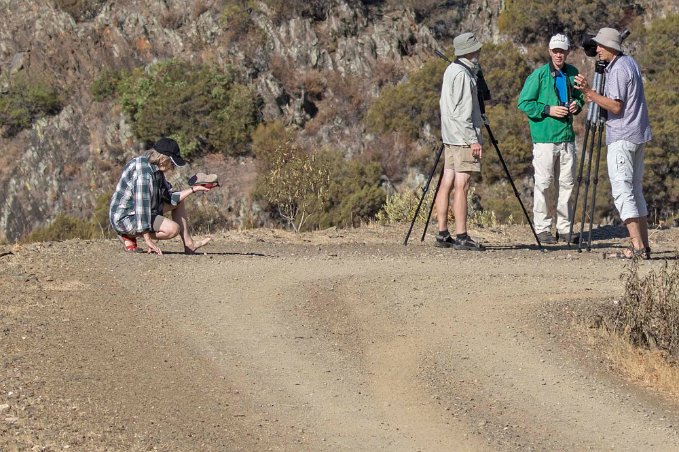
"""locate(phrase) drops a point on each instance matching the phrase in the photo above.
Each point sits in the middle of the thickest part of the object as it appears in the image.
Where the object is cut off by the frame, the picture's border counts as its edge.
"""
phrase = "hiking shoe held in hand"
(546, 238)
(444, 241)
(206, 180)
(468, 244)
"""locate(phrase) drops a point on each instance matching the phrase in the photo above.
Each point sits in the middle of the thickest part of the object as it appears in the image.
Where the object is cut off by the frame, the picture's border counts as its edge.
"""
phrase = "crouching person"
(144, 200)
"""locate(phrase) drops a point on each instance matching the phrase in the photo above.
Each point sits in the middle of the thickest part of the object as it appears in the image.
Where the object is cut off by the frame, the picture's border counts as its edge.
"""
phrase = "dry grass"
(651, 369)
(640, 335)
(648, 316)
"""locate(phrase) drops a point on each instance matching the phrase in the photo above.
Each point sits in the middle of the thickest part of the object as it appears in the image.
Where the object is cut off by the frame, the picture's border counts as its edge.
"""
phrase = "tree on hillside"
(531, 21)
(200, 106)
(658, 57)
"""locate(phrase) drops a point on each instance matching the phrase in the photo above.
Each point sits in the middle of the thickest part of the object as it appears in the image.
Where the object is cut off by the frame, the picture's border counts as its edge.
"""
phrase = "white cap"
(559, 42)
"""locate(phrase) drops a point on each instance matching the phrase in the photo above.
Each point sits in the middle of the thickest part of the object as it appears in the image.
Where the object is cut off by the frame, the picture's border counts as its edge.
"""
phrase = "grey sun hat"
(609, 37)
(465, 43)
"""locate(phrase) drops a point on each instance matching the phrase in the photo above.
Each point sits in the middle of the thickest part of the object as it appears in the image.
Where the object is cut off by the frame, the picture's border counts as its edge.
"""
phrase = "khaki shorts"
(460, 159)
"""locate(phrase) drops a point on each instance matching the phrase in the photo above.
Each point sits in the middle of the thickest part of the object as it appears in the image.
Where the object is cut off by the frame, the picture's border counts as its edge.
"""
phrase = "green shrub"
(205, 218)
(105, 86)
(66, 227)
(236, 20)
(529, 21)
(505, 71)
(354, 193)
(288, 9)
(200, 106)
(266, 143)
(25, 101)
(63, 227)
(401, 207)
(80, 10)
(658, 57)
(311, 191)
(410, 105)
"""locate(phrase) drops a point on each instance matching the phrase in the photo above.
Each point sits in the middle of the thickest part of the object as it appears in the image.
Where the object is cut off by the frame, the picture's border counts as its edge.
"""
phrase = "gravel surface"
(335, 340)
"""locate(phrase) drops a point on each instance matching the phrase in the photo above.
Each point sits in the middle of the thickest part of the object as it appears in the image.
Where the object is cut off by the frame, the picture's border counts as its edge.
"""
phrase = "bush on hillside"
(354, 192)
(311, 191)
(529, 21)
(266, 143)
(658, 56)
(81, 10)
(66, 227)
(295, 186)
(505, 71)
(411, 105)
(26, 100)
(289, 9)
(200, 106)
(105, 86)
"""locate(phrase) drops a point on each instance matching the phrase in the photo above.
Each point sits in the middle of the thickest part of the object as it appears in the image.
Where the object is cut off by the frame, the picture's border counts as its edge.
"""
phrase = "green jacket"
(538, 92)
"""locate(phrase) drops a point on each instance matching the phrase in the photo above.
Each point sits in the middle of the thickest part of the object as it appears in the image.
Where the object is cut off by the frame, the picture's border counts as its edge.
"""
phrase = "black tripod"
(596, 118)
(483, 93)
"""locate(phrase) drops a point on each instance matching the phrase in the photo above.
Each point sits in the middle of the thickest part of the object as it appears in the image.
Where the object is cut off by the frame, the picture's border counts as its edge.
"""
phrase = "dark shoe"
(444, 241)
(468, 244)
(647, 253)
(546, 238)
(566, 237)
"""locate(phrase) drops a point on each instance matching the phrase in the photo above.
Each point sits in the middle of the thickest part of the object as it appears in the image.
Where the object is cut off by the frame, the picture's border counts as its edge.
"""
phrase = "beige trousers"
(553, 161)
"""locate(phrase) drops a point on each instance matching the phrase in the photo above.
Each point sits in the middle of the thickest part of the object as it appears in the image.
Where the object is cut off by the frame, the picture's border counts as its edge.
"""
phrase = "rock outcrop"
(64, 162)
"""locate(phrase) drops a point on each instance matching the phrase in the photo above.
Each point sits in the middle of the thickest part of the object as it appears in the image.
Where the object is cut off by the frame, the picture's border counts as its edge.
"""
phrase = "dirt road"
(338, 340)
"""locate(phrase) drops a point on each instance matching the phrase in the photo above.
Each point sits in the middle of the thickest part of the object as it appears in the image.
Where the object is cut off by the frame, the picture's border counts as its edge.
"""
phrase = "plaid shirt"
(138, 197)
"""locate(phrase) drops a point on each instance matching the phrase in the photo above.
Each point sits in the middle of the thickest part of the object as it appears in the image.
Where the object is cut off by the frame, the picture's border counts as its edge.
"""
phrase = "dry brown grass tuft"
(651, 369)
(648, 316)
(640, 335)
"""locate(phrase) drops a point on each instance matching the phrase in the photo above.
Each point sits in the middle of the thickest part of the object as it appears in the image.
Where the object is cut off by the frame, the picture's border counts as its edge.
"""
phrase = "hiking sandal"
(628, 252)
(468, 244)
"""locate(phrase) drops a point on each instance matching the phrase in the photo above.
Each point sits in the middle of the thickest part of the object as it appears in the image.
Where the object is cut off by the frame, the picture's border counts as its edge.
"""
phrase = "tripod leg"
(425, 189)
(433, 201)
(577, 187)
(511, 181)
(596, 182)
(584, 199)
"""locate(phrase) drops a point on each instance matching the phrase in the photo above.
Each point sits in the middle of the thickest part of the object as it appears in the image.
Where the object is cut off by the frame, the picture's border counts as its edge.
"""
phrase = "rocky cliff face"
(64, 162)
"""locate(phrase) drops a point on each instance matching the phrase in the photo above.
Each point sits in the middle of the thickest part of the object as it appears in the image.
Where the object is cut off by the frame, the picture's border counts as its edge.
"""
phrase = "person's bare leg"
(442, 199)
(643, 231)
(180, 216)
(634, 228)
(460, 202)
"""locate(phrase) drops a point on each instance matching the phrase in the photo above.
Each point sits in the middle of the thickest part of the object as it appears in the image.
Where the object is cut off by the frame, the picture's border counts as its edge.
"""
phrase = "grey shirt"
(461, 119)
(624, 83)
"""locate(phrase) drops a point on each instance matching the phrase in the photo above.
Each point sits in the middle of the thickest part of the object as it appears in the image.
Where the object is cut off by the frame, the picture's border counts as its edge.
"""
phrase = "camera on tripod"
(589, 45)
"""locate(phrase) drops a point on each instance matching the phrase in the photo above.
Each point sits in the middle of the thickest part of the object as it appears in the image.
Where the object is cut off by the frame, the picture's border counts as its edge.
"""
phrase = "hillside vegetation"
(292, 87)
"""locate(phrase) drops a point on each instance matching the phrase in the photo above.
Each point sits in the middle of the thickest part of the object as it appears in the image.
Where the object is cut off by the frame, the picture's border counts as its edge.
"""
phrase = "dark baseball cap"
(169, 147)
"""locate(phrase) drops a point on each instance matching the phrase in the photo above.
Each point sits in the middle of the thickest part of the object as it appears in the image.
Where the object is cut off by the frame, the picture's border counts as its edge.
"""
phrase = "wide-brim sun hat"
(609, 37)
(466, 43)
